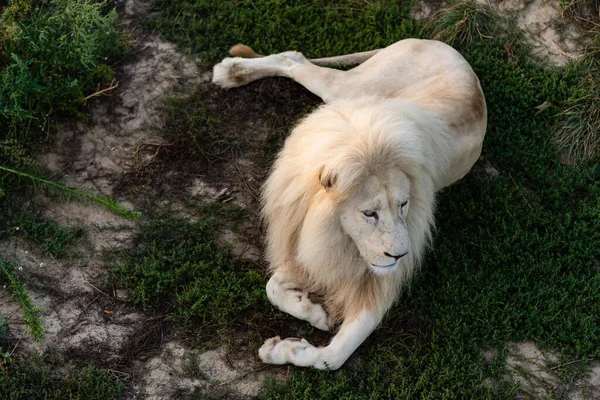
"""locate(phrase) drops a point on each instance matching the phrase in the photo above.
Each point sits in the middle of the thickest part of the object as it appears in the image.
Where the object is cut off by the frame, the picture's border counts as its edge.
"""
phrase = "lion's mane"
(327, 156)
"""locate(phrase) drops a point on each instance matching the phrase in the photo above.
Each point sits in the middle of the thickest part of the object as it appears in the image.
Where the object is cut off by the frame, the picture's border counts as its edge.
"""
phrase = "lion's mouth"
(385, 266)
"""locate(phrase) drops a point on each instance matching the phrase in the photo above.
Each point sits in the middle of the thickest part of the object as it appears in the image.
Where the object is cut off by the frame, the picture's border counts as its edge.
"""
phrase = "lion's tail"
(347, 59)
(240, 50)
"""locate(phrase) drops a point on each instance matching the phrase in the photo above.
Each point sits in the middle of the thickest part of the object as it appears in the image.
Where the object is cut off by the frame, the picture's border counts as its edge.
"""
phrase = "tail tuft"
(241, 50)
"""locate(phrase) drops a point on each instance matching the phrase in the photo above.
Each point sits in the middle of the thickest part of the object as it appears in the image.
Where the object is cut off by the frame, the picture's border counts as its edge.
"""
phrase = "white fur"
(349, 204)
(283, 293)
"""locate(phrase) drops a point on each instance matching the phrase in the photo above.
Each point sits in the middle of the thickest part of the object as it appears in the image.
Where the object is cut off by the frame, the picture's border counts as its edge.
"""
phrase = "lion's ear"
(327, 178)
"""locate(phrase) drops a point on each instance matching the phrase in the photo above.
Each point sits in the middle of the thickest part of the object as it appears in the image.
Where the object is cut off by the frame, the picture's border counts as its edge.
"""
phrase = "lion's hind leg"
(237, 71)
(283, 292)
(232, 72)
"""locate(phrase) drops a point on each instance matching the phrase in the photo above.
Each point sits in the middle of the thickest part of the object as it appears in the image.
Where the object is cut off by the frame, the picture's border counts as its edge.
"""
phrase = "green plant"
(192, 369)
(578, 132)
(5, 356)
(11, 15)
(3, 327)
(53, 53)
(39, 182)
(30, 312)
(54, 239)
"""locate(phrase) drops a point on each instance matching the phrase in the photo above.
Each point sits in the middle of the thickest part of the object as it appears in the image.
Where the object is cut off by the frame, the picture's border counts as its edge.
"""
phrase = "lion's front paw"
(291, 350)
(302, 307)
(229, 73)
(320, 318)
(264, 353)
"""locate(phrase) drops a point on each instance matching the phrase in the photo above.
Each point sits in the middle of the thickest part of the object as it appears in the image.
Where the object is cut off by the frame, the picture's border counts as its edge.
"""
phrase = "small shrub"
(53, 53)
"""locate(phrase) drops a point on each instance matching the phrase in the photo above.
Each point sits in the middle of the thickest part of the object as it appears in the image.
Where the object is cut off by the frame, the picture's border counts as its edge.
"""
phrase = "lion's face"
(375, 218)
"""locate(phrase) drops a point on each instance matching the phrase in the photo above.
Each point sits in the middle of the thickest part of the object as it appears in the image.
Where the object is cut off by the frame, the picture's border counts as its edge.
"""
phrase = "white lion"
(349, 204)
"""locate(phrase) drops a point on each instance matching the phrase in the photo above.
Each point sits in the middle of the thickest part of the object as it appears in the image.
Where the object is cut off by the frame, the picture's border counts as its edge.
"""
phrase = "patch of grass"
(569, 370)
(463, 21)
(30, 312)
(194, 127)
(318, 28)
(5, 355)
(181, 269)
(25, 219)
(47, 377)
(577, 132)
(53, 55)
(230, 137)
(583, 12)
(3, 327)
(54, 239)
(20, 218)
(192, 369)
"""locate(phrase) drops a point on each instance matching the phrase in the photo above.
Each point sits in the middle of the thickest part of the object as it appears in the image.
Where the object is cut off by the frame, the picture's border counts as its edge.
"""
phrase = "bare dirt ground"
(537, 371)
(125, 134)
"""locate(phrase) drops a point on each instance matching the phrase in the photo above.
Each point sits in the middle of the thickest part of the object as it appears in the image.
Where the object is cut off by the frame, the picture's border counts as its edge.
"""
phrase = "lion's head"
(352, 192)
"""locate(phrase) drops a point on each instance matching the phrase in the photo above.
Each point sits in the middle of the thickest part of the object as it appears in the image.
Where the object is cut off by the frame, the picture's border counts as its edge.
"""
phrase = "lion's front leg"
(299, 352)
(284, 293)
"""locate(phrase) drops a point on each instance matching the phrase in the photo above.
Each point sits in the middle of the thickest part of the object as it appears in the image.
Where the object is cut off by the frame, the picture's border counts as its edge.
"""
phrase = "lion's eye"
(370, 214)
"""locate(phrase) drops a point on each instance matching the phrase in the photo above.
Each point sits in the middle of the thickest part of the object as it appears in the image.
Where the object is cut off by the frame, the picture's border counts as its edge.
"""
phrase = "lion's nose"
(396, 257)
